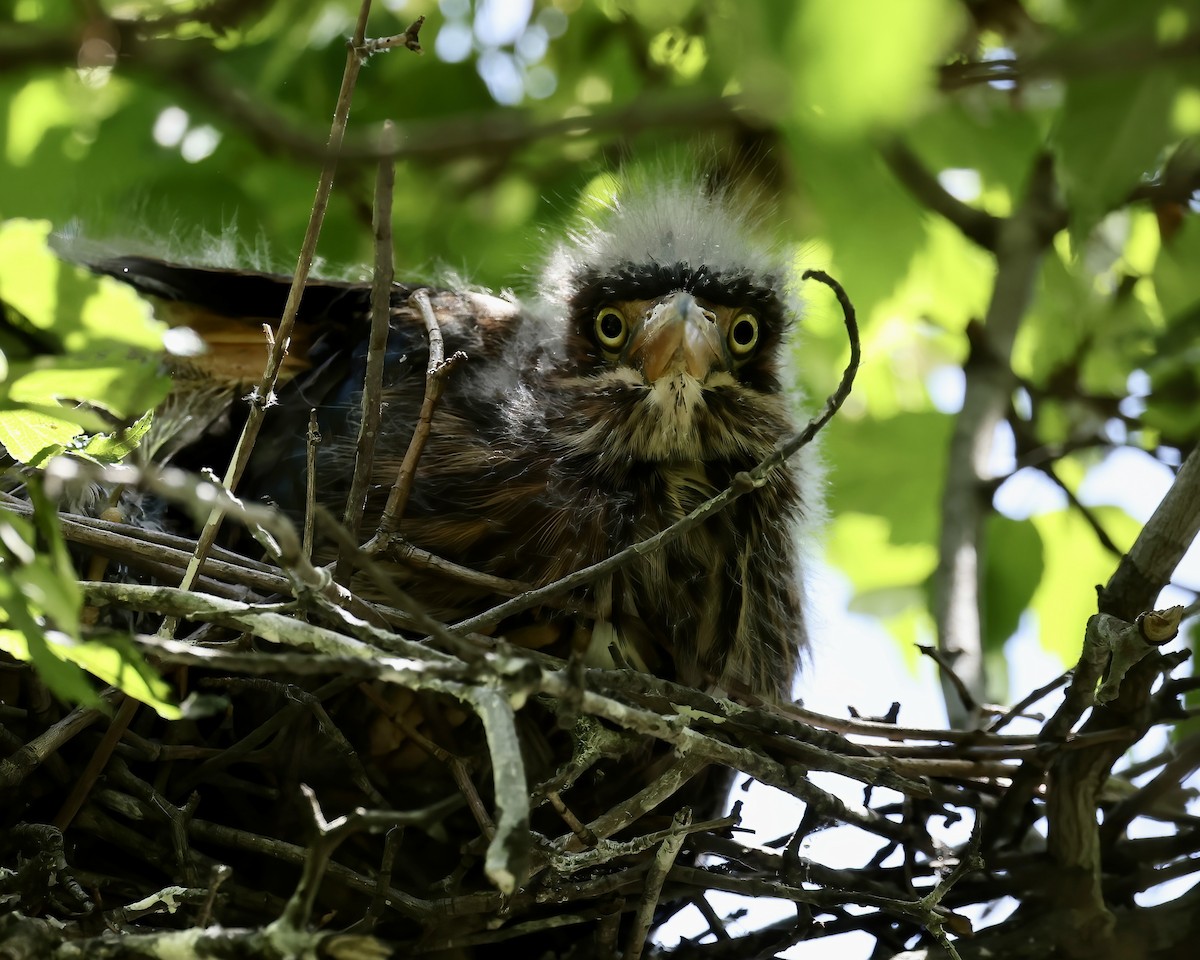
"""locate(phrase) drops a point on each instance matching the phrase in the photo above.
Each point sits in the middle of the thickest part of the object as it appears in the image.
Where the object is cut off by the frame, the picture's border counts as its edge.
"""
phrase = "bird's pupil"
(743, 333)
(610, 326)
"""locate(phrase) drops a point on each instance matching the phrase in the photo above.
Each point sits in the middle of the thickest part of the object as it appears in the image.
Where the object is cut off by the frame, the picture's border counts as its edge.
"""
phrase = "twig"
(507, 860)
(16, 767)
(1028, 701)
(435, 379)
(218, 875)
(264, 393)
(313, 440)
(1084, 511)
(968, 861)
(742, 484)
(96, 764)
(976, 225)
(946, 665)
(687, 740)
(409, 39)
(201, 496)
(582, 833)
(381, 312)
(391, 847)
(459, 643)
(271, 625)
(648, 798)
(330, 833)
(456, 765)
(1148, 566)
(405, 552)
(1173, 774)
(659, 868)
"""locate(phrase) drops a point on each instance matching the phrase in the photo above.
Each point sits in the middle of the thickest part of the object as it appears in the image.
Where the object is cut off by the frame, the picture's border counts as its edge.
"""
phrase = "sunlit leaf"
(72, 338)
(30, 582)
(1011, 573)
(1075, 564)
(905, 492)
(855, 72)
(27, 642)
(861, 546)
(33, 436)
(1111, 134)
(115, 659)
(114, 447)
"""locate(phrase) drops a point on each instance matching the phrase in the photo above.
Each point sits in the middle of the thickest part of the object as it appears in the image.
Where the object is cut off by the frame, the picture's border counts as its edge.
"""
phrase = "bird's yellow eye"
(743, 335)
(611, 329)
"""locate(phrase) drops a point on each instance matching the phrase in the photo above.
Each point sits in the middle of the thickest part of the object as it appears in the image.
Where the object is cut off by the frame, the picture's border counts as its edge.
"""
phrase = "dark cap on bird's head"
(668, 290)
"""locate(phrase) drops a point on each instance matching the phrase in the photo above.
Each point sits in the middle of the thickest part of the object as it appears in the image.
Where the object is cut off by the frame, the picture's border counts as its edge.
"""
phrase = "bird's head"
(672, 323)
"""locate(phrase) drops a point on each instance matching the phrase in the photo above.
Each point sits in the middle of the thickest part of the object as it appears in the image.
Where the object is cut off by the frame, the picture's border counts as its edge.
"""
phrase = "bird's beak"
(676, 336)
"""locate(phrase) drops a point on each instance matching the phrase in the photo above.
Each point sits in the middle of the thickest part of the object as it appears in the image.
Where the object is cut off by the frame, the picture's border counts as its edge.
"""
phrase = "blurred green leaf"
(1112, 131)
(905, 492)
(1075, 564)
(29, 583)
(985, 135)
(1011, 573)
(115, 659)
(115, 447)
(40, 607)
(862, 546)
(77, 308)
(72, 337)
(34, 436)
(855, 72)
(1176, 279)
(872, 224)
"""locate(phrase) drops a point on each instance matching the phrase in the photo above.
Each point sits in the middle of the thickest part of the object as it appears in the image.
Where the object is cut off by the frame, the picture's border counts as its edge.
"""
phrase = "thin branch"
(312, 441)
(976, 225)
(507, 861)
(664, 859)
(1088, 515)
(17, 766)
(435, 382)
(743, 483)
(1168, 534)
(264, 394)
(381, 312)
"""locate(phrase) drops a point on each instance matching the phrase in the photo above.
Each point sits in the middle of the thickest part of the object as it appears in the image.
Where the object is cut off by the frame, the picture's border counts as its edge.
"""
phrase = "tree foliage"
(1006, 188)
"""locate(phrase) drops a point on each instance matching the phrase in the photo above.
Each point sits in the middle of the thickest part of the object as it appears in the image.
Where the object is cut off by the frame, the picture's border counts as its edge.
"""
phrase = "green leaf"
(53, 549)
(1012, 571)
(27, 577)
(71, 338)
(854, 73)
(984, 134)
(115, 447)
(1176, 279)
(848, 186)
(862, 547)
(82, 311)
(33, 436)
(1111, 133)
(1075, 564)
(38, 584)
(913, 446)
(28, 643)
(115, 659)
(106, 379)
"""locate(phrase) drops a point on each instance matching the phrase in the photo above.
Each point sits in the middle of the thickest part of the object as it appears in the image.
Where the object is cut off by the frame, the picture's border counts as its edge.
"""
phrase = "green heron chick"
(643, 376)
(671, 346)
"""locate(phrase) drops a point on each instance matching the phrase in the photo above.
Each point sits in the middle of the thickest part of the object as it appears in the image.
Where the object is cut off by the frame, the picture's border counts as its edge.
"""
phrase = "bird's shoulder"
(228, 308)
